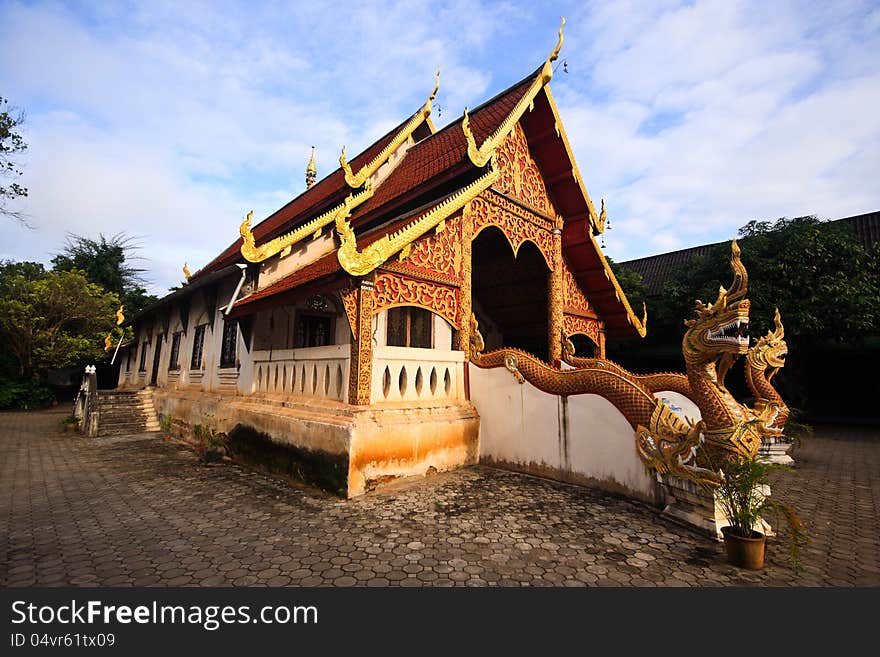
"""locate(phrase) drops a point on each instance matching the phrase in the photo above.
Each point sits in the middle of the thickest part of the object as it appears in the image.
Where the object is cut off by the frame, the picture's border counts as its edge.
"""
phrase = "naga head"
(769, 352)
(245, 229)
(343, 227)
(721, 327)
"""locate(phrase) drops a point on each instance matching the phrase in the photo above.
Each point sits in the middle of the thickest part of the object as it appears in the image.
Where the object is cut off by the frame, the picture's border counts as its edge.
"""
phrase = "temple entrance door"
(510, 294)
(156, 356)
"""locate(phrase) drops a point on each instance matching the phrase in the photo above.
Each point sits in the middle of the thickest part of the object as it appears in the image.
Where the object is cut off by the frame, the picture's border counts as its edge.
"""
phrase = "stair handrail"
(86, 404)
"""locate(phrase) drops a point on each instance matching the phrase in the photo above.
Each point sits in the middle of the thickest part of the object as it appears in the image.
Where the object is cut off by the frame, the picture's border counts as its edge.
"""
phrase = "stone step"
(126, 412)
(135, 409)
(125, 432)
(137, 422)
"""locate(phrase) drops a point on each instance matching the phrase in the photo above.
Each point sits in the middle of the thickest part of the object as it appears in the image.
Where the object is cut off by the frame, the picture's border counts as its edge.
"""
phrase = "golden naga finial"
(108, 342)
(603, 215)
(119, 316)
(361, 262)
(481, 155)
(311, 171)
(356, 180)
(283, 243)
(644, 315)
(343, 162)
(436, 86)
(547, 71)
(245, 230)
(186, 272)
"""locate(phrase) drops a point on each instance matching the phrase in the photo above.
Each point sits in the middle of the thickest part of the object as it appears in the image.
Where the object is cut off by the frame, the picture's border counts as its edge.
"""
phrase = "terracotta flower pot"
(744, 552)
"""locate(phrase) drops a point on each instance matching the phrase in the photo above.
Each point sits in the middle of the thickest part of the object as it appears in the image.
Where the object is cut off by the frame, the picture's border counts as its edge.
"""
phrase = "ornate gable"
(574, 299)
(436, 256)
(520, 176)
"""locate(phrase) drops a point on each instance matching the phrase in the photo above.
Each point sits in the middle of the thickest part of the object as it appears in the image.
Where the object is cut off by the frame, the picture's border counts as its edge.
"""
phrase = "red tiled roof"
(324, 266)
(430, 170)
(324, 194)
(438, 158)
(442, 153)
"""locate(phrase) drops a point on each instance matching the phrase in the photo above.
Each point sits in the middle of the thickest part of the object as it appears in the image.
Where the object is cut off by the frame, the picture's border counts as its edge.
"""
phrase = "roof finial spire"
(547, 71)
(436, 85)
(311, 171)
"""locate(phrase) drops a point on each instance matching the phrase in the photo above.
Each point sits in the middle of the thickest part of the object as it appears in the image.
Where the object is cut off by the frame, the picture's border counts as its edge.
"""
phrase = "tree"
(107, 262)
(52, 319)
(631, 283)
(825, 283)
(11, 144)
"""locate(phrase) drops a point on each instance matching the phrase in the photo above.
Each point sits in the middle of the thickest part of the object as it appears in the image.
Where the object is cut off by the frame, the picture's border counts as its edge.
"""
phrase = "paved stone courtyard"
(137, 511)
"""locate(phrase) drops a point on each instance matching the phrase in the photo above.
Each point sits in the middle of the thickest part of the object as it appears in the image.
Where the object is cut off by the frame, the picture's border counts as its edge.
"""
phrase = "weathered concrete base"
(345, 449)
(570, 477)
(582, 439)
(775, 449)
(696, 506)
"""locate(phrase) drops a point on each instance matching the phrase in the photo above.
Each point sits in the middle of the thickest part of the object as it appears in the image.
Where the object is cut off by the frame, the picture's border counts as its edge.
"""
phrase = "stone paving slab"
(137, 511)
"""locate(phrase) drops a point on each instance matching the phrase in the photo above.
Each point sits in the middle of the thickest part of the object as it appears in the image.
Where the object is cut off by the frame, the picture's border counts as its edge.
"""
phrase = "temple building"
(342, 333)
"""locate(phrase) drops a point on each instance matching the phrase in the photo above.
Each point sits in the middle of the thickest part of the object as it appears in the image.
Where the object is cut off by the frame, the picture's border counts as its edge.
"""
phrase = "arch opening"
(510, 293)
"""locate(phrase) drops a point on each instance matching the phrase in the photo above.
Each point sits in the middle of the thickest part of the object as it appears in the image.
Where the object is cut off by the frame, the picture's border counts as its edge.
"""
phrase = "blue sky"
(171, 120)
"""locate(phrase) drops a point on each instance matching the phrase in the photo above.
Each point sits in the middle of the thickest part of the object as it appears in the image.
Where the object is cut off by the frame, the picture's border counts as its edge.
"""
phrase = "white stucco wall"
(581, 438)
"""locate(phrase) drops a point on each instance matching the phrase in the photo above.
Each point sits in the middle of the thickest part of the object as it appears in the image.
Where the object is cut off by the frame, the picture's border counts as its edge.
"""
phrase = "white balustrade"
(309, 372)
(404, 374)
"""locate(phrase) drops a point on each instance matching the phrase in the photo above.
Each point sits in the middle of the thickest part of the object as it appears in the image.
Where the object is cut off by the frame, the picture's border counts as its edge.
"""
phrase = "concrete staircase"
(126, 411)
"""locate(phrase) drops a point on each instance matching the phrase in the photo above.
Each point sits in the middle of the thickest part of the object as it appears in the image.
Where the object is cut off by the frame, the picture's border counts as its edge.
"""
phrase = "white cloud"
(695, 119)
(170, 121)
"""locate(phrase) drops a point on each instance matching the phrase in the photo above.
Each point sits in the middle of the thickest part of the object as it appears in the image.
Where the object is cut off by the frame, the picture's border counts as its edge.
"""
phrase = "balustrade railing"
(309, 372)
(402, 374)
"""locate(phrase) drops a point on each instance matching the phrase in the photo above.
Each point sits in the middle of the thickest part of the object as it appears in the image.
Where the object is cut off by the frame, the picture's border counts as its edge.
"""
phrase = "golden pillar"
(555, 304)
(465, 303)
(360, 378)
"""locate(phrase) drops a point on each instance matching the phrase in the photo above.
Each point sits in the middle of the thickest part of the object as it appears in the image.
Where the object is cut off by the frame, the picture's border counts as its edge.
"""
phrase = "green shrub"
(23, 395)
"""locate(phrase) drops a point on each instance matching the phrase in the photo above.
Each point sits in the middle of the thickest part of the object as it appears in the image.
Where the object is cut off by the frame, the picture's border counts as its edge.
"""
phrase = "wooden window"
(230, 342)
(198, 346)
(174, 361)
(313, 330)
(142, 367)
(409, 327)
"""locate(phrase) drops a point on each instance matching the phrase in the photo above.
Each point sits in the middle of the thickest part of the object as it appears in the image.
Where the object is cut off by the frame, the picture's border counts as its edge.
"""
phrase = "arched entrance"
(584, 347)
(510, 293)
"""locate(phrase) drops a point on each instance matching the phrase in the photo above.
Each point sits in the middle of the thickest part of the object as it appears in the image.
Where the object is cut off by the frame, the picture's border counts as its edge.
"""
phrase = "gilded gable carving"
(573, 297)
(435, 256)
(573, 325)
(520, 176)
(349, 302)
(517, 224)
(392, 289)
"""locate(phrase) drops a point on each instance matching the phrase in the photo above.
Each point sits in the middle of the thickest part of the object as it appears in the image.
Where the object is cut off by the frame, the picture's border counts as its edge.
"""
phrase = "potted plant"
(71, 423)
(741, 494)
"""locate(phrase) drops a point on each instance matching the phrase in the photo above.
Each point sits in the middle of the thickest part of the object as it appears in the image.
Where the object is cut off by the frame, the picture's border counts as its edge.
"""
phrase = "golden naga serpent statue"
(665, 443)
(763, 362)
(653, 382)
